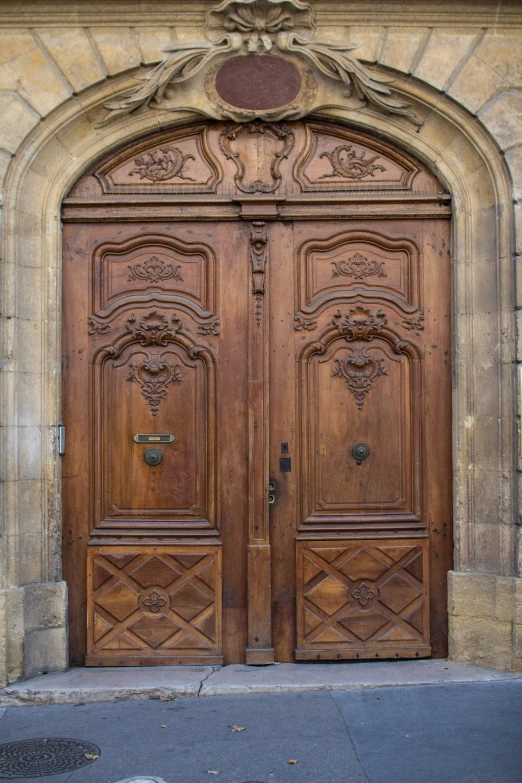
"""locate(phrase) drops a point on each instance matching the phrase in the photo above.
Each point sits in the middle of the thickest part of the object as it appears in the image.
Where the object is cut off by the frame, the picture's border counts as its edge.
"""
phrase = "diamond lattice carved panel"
(362, 599)
(154, 605)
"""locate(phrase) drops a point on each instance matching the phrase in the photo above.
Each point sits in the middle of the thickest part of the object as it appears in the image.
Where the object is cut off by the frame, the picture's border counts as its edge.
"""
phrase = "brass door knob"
(153, 456)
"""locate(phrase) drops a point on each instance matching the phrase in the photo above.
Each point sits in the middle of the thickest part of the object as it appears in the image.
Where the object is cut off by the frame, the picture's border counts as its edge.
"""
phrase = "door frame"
(474, 173)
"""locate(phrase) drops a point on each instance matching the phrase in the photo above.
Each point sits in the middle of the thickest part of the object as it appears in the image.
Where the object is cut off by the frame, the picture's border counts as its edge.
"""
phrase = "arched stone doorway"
(257, 394)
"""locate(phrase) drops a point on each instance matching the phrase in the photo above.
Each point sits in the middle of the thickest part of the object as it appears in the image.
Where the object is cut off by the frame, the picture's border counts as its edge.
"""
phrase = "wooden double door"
(257, 397)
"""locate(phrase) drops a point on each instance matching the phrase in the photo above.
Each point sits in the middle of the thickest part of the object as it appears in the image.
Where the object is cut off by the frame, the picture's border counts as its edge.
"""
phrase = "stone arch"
(460, 151)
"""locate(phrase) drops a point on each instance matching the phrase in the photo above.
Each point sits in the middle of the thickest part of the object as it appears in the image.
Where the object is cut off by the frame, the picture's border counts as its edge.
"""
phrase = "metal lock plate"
(153, 456)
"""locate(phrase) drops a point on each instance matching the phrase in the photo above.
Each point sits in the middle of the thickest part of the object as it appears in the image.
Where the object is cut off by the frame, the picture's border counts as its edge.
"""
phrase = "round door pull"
(360, 451)
(153, 456)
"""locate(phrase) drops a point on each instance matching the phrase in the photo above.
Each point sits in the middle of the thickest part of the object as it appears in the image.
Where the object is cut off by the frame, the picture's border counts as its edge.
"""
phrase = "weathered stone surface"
(45, 606)
(444, 51)
(118, 48)
(503, 118)
(483, 641)
(476, 84)
(5, 160)
(368, 40)
(45, 650)
(501, 50)
(25, 69)
(514, 161)
(518, 227)
(17, 121)
(481, 595)
(151, 42)
(401, 46)
(72, 50)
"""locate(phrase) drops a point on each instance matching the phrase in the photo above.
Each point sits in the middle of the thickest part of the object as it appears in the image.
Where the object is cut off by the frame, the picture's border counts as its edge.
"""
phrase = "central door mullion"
(259, 634)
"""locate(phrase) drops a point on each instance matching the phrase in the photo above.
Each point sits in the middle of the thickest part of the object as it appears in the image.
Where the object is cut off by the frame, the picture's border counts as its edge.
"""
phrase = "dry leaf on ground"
(293, 761)
(165, 726)
(212, 771)
(238, 728)
(91, 756)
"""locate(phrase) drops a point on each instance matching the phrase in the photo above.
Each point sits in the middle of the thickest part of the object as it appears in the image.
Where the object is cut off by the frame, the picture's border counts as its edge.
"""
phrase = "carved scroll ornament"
(358, 267)
(359, 370)
(245, 27)
(281, 132)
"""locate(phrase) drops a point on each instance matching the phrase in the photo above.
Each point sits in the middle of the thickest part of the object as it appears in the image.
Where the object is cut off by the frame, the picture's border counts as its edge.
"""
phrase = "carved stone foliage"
(280, 133)
(358, 267)
(346, 163)
(414, 322)
(247, 27)
(153, 270)
(302, 323)
(359, 370)
(359, 324)
(154, 374)
(258, 259)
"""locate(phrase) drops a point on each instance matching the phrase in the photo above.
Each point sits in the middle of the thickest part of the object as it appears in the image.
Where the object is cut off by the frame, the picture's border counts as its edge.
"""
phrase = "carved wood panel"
(154, 604)
(363, 599)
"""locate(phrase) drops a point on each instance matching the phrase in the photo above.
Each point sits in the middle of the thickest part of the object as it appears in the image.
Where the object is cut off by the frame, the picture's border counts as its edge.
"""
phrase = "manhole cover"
(36, 758)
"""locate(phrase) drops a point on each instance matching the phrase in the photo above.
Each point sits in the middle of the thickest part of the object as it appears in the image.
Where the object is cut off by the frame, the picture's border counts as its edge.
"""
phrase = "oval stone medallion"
(258, 82)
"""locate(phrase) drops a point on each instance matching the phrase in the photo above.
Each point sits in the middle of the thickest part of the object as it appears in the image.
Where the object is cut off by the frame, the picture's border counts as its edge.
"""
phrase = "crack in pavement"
(350, 738)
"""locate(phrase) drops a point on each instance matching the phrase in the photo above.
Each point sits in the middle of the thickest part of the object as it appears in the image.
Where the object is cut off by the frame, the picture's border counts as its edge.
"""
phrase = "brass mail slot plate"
(154, 438)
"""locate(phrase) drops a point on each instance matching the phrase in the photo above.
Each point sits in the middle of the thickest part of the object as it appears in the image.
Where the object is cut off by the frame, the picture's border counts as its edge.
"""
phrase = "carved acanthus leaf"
(211, 328)
(358, 267)
(414, 322)
(304, 323)
(153, 328)
(345, 163)
(97, 327)
(359, 324)
(162, 164)
(153, 270)
(154, 374)
(359, 370)
(245, 26)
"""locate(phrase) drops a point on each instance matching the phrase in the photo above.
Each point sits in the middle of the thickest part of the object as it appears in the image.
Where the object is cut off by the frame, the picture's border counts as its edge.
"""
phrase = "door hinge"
(61, 440)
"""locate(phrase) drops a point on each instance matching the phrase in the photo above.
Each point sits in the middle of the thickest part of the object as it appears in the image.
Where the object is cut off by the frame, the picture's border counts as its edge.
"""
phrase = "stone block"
(29, 452)
(72, 50)
(29, 507)
(5, 160)
(29, 399)
(514, 161)
(118, 48)
(151, 42)
(476, 84)
(518, 228)
(45, 650)
(17, 121)
(25, 557)
(367, 41)
(501, 50)
(29, 299)
(481, 641)
(503, 119)
(481, 595)
(518, 272)
(28, 345)
(401, 46)
(25, 69)
(444, 52)
(45, 606)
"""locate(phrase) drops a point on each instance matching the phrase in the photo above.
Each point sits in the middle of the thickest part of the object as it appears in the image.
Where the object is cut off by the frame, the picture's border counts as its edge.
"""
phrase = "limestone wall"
(58, 60)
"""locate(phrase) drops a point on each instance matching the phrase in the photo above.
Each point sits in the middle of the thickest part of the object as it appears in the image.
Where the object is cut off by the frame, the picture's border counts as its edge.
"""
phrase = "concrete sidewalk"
(467, 732)
(79, 686)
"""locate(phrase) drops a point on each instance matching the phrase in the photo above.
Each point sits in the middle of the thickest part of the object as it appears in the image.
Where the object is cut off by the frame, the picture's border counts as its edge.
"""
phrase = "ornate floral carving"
(160, 165)
(211, 328)
(154, 374)
(359, 370)
(247, 26)
(231, 132)
(97, 327)
(359, 324)
(304, 323)
(153, 270)
(363, 594)
(414, 322)
(345, 163)
(358, 267)
(258, 258)
(154, 601)
(153, 328)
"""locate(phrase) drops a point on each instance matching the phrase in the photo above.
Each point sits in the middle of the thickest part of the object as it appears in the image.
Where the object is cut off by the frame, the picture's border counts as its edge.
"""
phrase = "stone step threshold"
(79, 686)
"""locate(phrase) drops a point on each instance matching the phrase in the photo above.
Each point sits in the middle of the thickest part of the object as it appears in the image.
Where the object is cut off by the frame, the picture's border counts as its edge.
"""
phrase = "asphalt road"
(460, 733)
